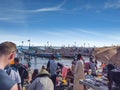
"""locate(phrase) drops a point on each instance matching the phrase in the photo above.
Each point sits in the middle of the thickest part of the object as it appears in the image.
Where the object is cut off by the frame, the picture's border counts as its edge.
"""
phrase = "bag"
(9, 68)
(22, 71)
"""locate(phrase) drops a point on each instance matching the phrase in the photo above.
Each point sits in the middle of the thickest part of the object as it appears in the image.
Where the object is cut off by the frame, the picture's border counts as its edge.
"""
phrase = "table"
(93, 84)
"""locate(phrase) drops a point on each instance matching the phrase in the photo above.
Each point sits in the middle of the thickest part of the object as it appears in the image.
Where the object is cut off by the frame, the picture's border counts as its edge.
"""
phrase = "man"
(21, 69)
(7, 54)
(78, 73)
(53, 69)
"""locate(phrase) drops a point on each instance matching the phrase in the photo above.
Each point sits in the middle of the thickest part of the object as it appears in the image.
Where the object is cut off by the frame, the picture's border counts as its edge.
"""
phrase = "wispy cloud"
(112, 4)
(16, 13)
(45, 9)
(83, 7)
(4, 19)
(7, 12)
(55, 33)
(88, 32)
(102, 35)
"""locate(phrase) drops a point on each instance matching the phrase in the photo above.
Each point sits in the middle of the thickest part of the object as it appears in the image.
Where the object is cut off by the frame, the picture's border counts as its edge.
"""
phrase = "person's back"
(53, 67)
(14, 74)
(7, 54)
(42, 82)
(6, 83)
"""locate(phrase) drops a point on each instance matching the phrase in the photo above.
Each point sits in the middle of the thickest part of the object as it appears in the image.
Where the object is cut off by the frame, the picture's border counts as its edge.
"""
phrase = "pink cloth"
(64, 71)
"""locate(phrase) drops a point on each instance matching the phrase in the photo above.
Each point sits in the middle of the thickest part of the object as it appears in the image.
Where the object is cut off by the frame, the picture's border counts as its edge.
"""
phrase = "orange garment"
(12, 62)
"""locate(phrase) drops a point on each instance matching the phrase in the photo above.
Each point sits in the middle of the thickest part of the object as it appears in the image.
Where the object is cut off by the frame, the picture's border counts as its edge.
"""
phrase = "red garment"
(64, 71)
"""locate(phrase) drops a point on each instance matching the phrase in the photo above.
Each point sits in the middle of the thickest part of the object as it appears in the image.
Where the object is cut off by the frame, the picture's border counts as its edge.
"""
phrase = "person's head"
(7, 53)
(110, 67)
(91, 59)
(52, 57)
(79, 56)
(16, 61)
(43, 67)
(35, 71)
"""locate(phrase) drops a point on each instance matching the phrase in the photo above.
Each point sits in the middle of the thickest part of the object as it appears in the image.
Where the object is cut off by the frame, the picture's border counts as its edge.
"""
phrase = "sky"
(60, 22)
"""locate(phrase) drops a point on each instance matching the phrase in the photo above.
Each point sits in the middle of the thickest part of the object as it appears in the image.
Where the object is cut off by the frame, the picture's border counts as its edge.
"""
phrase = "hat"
(43, 71)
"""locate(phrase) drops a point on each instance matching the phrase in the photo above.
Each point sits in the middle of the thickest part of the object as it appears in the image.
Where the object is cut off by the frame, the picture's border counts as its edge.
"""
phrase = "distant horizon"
(70, 46)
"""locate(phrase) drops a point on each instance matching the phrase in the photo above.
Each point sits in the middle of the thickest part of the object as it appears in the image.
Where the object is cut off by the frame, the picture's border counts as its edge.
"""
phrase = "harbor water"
(37, 63)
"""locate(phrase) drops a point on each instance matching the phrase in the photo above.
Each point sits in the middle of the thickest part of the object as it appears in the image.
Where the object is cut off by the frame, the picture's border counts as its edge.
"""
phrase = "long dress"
(78, 74)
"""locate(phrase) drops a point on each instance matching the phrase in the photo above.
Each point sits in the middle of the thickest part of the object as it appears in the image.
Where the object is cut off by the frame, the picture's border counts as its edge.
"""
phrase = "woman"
(42, 82)
(79, 73)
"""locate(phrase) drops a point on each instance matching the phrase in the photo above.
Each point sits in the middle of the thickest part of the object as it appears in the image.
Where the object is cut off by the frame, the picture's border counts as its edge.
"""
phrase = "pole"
(29, 49)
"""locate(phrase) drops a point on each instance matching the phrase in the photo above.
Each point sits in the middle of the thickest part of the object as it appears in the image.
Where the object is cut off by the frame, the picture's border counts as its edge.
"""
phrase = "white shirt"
(15, 76)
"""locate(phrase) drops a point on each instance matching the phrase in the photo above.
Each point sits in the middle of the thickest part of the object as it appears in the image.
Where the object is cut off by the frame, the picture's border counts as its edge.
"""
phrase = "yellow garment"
(64, 82)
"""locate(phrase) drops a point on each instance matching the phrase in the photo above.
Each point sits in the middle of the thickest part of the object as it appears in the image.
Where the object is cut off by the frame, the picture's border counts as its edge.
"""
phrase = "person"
(43, 67)
(78, 73)
(34, 75)
(110, 75)
(69, 76)
(7, 54)
(42, 82)
(14, 74)
(21, 69)
(92, 67)
(29, 64)
(53, 70)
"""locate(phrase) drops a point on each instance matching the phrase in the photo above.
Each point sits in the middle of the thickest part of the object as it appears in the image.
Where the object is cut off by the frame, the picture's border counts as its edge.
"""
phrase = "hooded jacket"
(42, 82)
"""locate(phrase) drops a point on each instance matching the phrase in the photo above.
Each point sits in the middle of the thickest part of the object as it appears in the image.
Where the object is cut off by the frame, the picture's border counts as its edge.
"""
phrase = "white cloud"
(13, 11)
(46, 9)
(115, 4)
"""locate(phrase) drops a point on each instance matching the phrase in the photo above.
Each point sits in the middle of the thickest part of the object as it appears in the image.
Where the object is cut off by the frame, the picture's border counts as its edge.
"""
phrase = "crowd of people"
(13, 74)
(54, 76)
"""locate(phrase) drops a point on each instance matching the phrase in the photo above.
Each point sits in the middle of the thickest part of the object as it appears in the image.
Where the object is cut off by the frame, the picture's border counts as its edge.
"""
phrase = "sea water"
(37, 63)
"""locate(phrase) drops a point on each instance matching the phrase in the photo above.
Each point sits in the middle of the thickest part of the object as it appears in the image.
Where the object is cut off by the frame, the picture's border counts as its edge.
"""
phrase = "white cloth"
(15, 76)
(42, 83)
(78, 74)
(92, 66)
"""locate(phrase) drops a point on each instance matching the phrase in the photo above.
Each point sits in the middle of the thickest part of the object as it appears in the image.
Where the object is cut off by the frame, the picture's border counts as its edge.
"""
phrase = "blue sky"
(61, 22)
